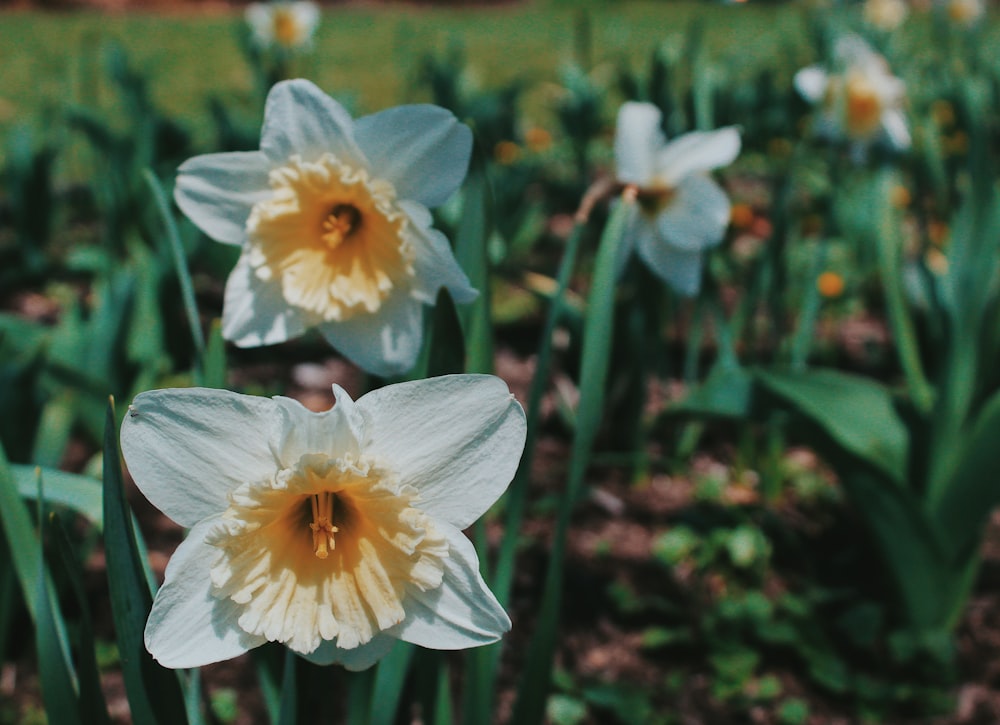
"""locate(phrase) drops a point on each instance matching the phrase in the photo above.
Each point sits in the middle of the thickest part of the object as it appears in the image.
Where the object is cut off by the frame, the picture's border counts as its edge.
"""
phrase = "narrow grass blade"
(154, 693)
(215, 358)
(23, 544)
(53, 430)
(597, 335)
(359, 696)
(59, 690)
(389, 680)
(180, 261)
(288, 714)
(478, 698)
(470, 251)
(93, 708)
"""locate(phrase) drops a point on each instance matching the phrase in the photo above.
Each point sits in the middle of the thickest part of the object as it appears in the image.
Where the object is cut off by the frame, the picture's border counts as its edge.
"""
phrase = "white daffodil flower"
(332, 215)
(862, 103)
(290, 25)
(681, 211)
(334, 533)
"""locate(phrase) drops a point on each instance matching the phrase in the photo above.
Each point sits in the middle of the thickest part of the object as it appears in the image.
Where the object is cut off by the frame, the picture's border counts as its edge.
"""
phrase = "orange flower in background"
(830, 285)
(741, 216)
(506, 153)
(538, 139)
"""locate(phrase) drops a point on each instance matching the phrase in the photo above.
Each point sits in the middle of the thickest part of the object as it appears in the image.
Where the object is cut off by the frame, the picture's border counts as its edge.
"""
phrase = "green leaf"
(59, 690)
(154, 693)
(598, 331)
(473, 233)
(390, 676)
(725, 393)
(93, 708)
(215, 357)
(972, 491)
(23, 545)
(856, 414)
(75, 491)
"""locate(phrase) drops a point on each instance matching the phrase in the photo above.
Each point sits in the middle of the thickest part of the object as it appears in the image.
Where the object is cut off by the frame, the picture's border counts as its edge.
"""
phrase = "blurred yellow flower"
(899, 197)
(741, 216)
(506, 153)
(966, 12)
(830, 284)
(538, 139)
(886, 14)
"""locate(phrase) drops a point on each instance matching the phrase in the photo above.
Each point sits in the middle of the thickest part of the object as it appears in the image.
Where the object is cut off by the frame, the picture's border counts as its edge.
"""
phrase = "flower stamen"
(343, 220)
(322, 524)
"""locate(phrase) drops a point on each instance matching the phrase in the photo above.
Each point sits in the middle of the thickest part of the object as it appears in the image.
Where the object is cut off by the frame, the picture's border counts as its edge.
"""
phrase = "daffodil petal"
(638, 139)
(303, 431)
(188, 626)
(188, 448)
(679, 268)
(462, 612)
(435, 264)
(811, 83)
(355, 659)
(698, 216)
(255, 311)
(457, 439)
(894, 123)
(300, 119)
(422, 149)
(698, 151)
(217, 191)
(386, 342)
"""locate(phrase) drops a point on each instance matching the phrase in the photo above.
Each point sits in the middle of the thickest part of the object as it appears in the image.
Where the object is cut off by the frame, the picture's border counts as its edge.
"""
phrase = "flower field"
(534, 362)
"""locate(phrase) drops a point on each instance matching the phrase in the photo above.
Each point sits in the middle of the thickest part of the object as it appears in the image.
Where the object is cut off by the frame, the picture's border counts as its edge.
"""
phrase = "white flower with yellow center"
(681, 211)
(863, 102)
(333, 533)
(289, 25)
(332, 216)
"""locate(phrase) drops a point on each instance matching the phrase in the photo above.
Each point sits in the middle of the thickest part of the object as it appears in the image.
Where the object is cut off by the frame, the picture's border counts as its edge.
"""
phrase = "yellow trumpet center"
(327, 550)
(332, 236)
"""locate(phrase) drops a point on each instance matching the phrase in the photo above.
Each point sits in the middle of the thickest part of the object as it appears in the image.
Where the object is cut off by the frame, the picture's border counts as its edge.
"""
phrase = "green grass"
(368, 54)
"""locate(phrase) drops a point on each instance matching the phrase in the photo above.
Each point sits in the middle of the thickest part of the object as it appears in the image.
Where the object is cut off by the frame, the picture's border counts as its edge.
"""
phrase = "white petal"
(188, 626)
(259, 17)
(697, 217)
(336, 431)
(356, 659)
(678, 268)
(307, 16)
(461, 613)
(435, 264)
(457, 439)
(422, 149)
(187, 448)
(217, 191)
(255, 312)
(300, 119)
(811, 83)
(384, 343)
(698, 151)
(895, 128)
(638, 139)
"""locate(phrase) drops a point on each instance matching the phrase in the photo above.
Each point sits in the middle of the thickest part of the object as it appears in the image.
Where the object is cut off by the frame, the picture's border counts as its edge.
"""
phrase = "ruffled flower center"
(333, 236)
(654, 198)
(286, 27)
(861, 103)
(326, 550)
